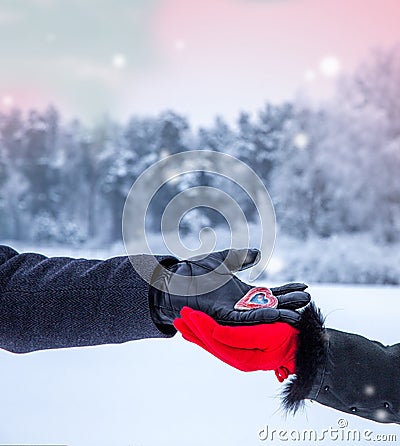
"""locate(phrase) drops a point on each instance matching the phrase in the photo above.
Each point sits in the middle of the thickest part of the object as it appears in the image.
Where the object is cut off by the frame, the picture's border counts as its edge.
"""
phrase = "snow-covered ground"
(337, 259)
(170, 392)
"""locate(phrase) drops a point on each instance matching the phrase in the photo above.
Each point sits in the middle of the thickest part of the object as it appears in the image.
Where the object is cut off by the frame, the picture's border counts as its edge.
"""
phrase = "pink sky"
(220, 56)
(213, 57)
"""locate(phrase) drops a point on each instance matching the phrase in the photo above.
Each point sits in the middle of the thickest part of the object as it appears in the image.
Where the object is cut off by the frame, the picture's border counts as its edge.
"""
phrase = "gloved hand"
(247, 348)
(210, 286)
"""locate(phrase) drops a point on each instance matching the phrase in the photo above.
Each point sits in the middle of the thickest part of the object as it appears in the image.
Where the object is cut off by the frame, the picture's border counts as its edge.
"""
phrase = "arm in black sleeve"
(61, 302)
(345, 371)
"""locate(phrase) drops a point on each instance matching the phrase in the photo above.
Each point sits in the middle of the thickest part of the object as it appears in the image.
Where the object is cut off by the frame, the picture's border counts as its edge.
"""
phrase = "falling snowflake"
(275, 265)
(381, 414)
(253, 116)
(330, 66)
(301, 140)
(164, 154)
(119, 61)
(309, 75)
(369, 390)
(8, 100)
(180, 45)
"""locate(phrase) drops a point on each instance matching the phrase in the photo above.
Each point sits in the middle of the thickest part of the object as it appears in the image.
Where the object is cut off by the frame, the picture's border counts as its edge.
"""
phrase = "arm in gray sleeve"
(345, 371)
(61, 302)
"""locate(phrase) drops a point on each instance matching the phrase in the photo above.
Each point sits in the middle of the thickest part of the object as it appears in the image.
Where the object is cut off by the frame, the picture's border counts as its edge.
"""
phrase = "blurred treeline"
(332, 170)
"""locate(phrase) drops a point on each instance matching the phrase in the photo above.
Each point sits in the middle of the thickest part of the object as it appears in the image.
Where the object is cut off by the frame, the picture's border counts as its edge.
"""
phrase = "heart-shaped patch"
(258, 297)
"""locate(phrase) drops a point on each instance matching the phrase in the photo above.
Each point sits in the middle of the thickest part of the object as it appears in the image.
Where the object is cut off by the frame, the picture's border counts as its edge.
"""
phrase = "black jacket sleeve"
(60, 302)
(345, 371)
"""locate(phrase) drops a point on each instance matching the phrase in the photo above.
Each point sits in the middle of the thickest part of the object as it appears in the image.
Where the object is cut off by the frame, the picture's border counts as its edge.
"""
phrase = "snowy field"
(170, 392)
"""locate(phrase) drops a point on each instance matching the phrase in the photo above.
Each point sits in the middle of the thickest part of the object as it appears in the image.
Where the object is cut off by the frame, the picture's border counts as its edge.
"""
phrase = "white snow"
(180, 45)
(330, 66)
(119, 61)
(301, 140)
(369, 390)
(170, 392)
(309, 75)
(8, 100)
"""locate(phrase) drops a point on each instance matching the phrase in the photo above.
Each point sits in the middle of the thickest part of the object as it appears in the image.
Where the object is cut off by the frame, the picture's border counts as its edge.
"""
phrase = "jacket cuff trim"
(155, 295)
(310, 359)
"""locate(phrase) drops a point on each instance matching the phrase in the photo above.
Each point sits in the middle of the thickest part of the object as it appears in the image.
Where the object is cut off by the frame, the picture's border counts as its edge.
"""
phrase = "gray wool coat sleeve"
(58, 302)
(345, 371)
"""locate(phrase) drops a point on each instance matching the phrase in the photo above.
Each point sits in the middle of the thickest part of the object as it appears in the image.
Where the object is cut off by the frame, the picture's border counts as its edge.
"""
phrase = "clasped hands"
(256, 339)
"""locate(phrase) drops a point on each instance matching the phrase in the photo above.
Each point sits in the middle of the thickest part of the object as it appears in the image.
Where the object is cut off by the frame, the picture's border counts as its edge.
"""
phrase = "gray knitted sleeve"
(59, 302)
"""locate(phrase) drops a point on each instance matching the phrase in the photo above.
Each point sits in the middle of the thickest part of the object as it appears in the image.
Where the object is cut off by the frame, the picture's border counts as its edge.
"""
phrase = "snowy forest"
(332, 172)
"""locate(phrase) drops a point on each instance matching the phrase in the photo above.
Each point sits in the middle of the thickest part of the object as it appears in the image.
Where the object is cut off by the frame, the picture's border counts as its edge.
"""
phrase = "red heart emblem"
(259, 297)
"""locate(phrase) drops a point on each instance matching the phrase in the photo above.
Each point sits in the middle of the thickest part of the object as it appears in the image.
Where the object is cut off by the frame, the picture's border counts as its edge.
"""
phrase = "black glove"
(209, 285)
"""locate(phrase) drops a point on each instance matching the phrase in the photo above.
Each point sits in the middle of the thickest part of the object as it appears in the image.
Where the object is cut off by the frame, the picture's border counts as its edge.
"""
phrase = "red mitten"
(247, 348)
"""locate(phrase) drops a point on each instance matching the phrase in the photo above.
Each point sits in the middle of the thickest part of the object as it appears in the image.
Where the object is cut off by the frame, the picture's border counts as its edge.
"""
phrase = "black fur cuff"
(310, 358)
